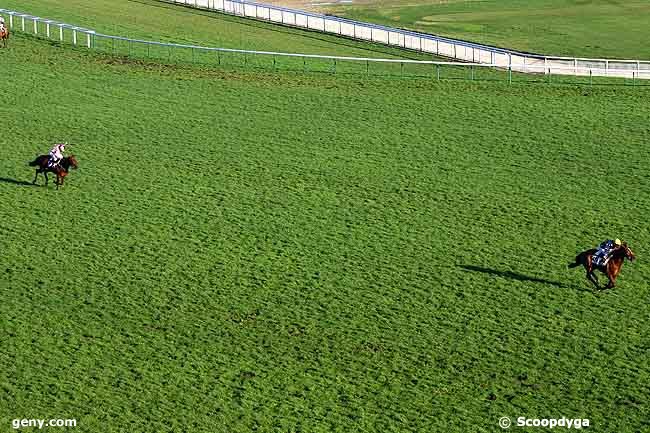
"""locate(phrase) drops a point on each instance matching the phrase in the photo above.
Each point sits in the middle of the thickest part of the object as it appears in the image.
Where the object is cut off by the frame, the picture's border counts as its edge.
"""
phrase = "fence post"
(74, 36)
(11, 20)
(22, 24)
(61, 32)
(47, 29)
(591, 80)
(510, 74)
(549, 75)
(367, 68)
(35, 21)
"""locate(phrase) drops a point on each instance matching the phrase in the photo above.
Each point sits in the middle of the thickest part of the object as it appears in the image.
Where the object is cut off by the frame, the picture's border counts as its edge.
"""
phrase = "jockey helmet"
(617, 242)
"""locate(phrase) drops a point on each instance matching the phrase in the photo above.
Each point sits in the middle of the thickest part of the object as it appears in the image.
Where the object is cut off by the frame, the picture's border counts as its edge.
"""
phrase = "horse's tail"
(36, 161)
(575, 263)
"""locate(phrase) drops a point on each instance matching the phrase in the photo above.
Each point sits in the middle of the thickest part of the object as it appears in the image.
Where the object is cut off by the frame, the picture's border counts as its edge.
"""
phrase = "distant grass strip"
(576, 28)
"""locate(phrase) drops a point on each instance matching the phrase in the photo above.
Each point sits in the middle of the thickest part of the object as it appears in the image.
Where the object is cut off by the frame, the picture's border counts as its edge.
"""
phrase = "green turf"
(159, 21)
(593, 28)
(246, 252)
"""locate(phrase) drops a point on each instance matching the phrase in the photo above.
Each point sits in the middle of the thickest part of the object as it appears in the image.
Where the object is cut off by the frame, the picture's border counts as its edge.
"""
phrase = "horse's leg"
(589, 268)
(35, 177)
(611, 274)
(593, 278)
(590, 274)
(46, 179)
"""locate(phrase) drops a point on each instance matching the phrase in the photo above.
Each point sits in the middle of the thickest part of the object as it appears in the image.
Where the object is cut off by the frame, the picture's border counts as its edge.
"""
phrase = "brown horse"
(61, 170)
(4, 36)
(612, 268)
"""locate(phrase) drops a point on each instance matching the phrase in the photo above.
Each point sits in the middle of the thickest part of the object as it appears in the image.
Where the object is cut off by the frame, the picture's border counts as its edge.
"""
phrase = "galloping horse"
(612, 268)
(4, 36)
(61, 170)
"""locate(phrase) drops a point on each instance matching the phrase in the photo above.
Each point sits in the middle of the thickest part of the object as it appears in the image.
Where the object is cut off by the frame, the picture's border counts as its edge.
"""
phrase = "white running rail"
(426, 43)
(80, 36)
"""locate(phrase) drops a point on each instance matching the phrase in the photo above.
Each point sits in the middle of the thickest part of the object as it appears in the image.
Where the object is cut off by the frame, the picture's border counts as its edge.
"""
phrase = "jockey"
(56, 154)
(2, 22)
(604, 251)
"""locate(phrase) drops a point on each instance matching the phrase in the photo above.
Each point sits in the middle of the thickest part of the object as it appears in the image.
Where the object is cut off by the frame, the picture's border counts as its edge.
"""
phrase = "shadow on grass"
(15, 182)
(512, 275)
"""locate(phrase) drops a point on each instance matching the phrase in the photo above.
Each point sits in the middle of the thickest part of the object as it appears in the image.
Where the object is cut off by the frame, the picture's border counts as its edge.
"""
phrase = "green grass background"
(246, 251)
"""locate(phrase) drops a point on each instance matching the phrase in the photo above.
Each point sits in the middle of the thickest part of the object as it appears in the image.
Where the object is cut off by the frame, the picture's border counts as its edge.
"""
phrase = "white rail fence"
(435, 45)
(80, 36)
(31, 24)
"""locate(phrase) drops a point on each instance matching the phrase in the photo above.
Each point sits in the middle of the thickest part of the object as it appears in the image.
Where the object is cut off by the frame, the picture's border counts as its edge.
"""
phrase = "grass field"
(158, 21)
(593, 28)
(596, 28)
(304, 252)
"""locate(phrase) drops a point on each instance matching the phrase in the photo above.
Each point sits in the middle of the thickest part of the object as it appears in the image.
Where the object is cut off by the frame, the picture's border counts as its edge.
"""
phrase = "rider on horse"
(605, 249)
(56, 154)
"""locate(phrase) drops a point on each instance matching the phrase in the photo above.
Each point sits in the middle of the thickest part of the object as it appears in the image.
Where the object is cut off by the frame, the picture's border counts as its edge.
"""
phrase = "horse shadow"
(513, 276)
(15, 182)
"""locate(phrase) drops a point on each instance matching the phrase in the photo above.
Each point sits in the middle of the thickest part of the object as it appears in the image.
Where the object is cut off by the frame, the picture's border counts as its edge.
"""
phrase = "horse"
(4, 36)
(612, 268)
(61, 170)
